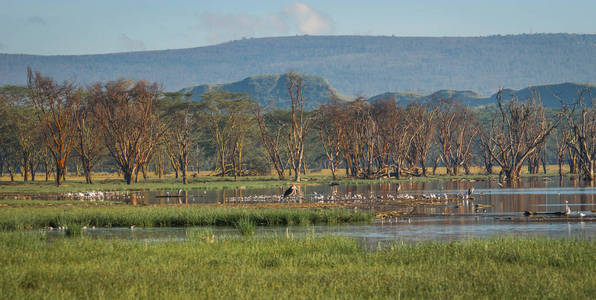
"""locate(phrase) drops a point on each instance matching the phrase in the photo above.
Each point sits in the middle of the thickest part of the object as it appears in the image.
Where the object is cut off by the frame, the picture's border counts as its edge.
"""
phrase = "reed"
(23, 218)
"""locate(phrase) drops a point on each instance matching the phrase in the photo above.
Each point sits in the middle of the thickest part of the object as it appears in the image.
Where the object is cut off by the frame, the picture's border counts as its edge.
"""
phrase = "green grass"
(20, 218)
(245, 226)
(305, 268)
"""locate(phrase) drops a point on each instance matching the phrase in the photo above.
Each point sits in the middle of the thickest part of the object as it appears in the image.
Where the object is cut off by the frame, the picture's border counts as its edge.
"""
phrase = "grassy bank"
(111, 182)
(20, 218)
(307, 268)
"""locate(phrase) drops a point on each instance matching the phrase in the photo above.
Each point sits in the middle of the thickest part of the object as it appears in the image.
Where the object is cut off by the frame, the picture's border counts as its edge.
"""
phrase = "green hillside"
(550, 95)
(271, 90)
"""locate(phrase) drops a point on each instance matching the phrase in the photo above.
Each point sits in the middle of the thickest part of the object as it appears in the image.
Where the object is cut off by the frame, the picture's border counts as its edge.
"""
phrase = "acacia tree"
(331, 132)
(54, 105)
(581, 121)
(424, 125)
(456, 132)
(87, 134)
(182, 121)
(131, 127)
(299, 123)
(227, 116)
(271, 127)
(517, 132)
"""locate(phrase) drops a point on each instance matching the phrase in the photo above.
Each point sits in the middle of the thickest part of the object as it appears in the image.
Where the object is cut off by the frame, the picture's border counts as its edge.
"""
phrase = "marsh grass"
(301, 268)
(73, 230)
(23, 218)
(245, 226)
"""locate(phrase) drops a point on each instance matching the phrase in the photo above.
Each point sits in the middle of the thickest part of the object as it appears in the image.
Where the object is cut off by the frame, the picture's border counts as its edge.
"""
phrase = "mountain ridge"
(270, 90)
(356, 65)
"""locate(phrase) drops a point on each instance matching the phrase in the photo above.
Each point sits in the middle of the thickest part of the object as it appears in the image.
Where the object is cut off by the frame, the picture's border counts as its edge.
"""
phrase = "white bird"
(567, 209)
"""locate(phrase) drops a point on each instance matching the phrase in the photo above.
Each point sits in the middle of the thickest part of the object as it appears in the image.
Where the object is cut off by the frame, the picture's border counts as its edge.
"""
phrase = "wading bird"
(291, 191)
(470, 191)
(397, 187)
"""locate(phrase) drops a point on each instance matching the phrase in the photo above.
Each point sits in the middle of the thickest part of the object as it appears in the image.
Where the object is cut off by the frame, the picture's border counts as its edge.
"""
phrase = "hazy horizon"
(65, 27)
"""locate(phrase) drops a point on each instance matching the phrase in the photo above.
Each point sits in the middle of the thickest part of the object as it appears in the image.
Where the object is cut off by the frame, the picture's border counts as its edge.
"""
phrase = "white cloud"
(308, 19)
(128, 43)
(295, 18)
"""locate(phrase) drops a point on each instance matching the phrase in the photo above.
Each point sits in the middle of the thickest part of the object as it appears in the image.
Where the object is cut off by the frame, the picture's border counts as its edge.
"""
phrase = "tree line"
(134, 128)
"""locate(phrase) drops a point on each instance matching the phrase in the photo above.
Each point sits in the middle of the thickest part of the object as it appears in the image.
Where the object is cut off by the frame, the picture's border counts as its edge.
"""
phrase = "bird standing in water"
(291, 191)
(397, 187)
(470, 192)
(567, 209)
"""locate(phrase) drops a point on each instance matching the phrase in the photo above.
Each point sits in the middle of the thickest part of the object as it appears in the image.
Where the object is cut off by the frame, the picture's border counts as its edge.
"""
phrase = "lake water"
(494, 211)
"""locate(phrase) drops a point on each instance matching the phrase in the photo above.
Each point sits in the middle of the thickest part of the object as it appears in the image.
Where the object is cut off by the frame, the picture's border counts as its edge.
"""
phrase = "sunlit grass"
(23, 218)
(303, 268)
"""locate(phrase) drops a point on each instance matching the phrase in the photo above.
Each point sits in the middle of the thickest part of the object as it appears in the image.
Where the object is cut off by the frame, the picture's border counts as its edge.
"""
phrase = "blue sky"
(86, 27)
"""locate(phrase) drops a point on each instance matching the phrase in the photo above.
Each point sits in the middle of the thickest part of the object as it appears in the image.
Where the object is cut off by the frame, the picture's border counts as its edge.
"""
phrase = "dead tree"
(581, 121)
(54, 104)
(456, 132)
(517, 132)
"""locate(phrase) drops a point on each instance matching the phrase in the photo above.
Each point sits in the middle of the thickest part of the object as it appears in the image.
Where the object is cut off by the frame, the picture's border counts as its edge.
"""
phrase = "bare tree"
(581, 121)
(54, 104)
(519, 131)
(456, 133)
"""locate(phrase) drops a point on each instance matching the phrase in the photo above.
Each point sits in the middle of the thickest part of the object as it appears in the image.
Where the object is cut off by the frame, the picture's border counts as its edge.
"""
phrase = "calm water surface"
(495, 210)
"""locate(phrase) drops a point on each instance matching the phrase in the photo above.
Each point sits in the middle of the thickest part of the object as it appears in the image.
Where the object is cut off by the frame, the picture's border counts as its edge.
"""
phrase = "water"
(533, 194)
(413, 230)
(494, 211)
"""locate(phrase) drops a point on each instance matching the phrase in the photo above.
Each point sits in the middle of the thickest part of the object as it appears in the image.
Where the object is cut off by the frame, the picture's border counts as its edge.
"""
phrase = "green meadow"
(34, 267)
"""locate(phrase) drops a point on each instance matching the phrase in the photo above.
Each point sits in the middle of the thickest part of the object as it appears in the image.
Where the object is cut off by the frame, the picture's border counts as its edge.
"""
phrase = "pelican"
(291, 191)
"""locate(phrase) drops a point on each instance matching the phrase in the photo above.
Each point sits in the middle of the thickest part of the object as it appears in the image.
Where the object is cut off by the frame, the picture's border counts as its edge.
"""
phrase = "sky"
(67, 27)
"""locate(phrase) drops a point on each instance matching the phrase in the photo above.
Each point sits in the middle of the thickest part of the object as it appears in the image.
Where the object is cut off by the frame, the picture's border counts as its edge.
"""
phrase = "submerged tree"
(581, 140)
(517, 133)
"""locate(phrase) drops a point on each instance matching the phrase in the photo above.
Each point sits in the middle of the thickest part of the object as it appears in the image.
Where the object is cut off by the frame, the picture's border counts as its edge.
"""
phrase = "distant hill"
(271, 90)
(355, 65)
(550, 95)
